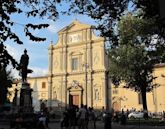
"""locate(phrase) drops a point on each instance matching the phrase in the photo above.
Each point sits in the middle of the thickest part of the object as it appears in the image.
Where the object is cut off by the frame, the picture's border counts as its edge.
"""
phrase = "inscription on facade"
(73, 38)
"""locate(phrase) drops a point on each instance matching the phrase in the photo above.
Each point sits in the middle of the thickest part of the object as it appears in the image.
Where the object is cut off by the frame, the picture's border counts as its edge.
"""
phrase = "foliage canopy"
(5, 83)
(133, 60)
(106, 12)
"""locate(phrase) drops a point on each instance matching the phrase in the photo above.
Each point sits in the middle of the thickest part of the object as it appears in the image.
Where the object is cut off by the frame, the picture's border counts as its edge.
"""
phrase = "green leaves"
(32, 37)
(5, 82)
(133, 60)
(7, 9)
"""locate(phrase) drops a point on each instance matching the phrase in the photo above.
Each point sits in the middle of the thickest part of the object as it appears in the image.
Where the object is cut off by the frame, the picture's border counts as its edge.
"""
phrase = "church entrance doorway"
(74, 100)
(116, 106)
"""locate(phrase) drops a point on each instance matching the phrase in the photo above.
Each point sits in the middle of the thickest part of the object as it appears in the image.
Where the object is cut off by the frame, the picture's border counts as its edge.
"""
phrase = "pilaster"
(50, 76)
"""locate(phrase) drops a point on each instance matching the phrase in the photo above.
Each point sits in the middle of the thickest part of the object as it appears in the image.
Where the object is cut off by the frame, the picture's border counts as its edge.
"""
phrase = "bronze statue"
(24, 61)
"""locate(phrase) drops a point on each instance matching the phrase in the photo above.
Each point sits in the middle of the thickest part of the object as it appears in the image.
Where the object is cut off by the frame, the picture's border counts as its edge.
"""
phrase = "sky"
(38, 51)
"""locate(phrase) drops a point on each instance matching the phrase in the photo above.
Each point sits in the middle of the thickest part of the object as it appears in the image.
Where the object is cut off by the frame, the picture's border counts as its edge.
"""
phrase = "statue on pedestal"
(26, 91)
(24, 61)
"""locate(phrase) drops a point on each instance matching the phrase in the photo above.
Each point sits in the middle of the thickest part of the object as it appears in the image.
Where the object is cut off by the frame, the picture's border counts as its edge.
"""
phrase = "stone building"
(77, 73)
(78, 68)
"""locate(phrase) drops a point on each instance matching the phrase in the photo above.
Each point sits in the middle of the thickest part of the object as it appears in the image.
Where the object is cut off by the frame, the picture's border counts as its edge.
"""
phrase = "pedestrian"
(116, 117)
(42, 121)
(123, 118)
(77, 116)
(82, 116)
(163, 116)
(86, 117)
(92, 119)
(102, 113)
(72, 117)
(46, 112)
(107, 120)
(65, 120)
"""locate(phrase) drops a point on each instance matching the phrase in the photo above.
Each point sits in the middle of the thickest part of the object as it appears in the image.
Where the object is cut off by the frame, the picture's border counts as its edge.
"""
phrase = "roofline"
(160, 65)
(71, 24)
(38, 77)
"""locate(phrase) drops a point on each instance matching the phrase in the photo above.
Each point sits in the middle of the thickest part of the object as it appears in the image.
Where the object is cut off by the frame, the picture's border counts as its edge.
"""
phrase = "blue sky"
(38, 51)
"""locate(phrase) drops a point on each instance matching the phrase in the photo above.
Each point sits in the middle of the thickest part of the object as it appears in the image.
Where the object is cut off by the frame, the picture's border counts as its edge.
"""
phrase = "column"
(65, 75)
(50, 51)
(50, 76)
(90, 82)
(104, 93)
(90, 90)
(86, 69)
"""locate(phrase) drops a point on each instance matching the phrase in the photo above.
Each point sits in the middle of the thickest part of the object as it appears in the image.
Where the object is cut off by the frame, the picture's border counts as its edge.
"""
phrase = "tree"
(134, 59)
(5, 83)
(7, 9)
(106, 12)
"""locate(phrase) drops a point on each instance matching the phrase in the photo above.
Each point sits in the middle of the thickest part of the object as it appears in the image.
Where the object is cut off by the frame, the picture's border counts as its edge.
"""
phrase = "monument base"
(26, 98)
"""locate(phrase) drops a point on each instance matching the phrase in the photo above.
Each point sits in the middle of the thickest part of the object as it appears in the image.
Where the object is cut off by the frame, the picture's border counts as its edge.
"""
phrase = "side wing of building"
(123, 98)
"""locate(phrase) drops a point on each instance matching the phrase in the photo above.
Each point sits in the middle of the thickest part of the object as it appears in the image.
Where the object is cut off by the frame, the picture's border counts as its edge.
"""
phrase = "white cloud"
(38, 72)
(15, 73)
(13, 52)
(52, 28)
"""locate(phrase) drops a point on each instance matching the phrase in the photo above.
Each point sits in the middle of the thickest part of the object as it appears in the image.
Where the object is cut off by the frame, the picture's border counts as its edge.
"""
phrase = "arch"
(75, 92)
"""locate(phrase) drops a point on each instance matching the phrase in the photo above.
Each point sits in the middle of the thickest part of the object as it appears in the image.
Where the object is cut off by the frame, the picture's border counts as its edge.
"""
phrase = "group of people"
(82, 117)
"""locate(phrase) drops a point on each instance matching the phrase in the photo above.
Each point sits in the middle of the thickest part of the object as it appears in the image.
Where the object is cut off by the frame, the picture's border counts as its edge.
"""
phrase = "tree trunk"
(144, 99)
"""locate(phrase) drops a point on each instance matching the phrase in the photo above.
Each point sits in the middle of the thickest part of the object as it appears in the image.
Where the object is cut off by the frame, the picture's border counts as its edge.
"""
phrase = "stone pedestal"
(26, 98)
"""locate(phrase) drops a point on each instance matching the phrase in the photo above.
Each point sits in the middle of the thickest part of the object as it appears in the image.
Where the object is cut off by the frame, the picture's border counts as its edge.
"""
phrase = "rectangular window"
(115, 91)
(74, 63)
(139, 98)
(43, 85)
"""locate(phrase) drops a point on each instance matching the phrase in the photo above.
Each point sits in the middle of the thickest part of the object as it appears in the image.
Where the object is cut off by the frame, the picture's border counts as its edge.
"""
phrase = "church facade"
(77, 74)
(78, 67)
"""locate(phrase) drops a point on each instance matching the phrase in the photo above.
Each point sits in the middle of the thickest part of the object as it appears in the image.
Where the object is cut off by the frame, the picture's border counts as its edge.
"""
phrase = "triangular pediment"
(75, 86)
(74, 26)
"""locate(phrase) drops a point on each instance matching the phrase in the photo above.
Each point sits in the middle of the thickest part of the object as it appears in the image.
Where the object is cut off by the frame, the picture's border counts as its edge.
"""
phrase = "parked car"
(134, 115)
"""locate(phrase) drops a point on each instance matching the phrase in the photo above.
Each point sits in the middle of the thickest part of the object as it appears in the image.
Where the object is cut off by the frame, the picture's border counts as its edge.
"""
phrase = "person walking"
(72, 117)
(82, 116)
(65, 120)
(42, 121)
(92, 119)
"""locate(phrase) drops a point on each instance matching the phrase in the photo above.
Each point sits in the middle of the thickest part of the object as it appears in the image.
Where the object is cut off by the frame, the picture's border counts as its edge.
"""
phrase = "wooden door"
(116, 106)
(75, 99)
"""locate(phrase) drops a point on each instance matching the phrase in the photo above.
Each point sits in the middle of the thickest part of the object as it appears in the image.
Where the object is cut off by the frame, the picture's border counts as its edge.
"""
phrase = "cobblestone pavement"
(99, 125)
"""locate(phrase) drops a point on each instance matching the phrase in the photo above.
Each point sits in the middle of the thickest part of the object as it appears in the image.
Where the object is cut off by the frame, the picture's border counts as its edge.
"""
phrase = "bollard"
(107, 121)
